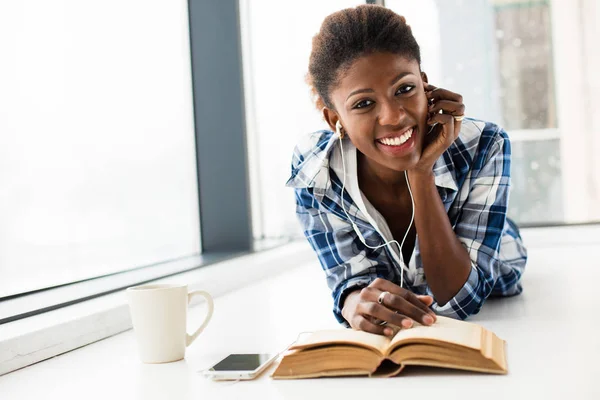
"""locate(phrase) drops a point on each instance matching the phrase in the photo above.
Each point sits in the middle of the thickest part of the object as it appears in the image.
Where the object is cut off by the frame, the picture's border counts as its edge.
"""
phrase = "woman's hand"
(399, 307)
(447, 128)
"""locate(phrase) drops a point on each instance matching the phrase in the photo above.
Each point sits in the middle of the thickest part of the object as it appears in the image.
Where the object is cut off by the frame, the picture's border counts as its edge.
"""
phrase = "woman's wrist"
(418, 176)
(349, 303)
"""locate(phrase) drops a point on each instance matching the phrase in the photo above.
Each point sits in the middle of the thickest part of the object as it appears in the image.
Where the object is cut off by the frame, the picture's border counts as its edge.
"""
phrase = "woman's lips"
(399, 144)
(403, 136)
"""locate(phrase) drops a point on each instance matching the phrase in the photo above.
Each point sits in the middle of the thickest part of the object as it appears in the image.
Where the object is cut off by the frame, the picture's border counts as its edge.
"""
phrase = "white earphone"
(338, 130)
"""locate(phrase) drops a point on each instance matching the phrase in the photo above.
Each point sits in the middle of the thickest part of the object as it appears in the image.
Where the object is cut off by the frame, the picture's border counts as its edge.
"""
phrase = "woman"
(405, 204)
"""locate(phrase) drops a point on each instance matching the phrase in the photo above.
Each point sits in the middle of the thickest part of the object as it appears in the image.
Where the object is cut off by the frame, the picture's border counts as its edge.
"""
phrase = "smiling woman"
(405, 205)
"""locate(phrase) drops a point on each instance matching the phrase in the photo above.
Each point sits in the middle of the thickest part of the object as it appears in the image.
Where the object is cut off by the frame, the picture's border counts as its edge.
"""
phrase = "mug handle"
(189, 339)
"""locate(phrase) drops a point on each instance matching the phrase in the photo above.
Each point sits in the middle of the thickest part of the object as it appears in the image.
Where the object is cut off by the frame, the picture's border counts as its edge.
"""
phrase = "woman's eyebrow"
(359, 91)
(396, 79)
(400, 76)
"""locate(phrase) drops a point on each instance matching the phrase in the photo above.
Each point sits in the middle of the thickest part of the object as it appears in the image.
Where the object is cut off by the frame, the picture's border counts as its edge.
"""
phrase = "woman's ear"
(330, 117)
(424, 78)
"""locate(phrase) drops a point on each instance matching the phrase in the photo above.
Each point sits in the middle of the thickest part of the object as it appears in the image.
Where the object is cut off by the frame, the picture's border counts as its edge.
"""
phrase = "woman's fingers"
(395, 308)
(447, 107)
(417, 302)
(427, 300)
(404, 306)
(450, 128)
(446, 120)
(383, 285)
(363, 323)
(430, 88)
(434, 94)
(383, 313)
(384, 301)
(409, 304)
(447, 102)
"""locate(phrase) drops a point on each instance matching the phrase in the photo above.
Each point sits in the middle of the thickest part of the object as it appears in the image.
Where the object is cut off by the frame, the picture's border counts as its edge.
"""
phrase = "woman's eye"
(363, 104)
(404, 89)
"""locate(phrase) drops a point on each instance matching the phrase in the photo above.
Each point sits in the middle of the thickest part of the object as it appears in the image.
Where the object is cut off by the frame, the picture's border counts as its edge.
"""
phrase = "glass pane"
(97, 160)
(526, 78)
(276, 38)
(536, 195)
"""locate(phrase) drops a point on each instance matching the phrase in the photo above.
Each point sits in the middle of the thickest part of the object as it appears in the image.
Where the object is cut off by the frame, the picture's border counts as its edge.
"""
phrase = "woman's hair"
(349, 34)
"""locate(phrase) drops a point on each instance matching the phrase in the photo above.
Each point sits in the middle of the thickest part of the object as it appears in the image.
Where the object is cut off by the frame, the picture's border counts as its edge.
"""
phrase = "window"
(106, 158)
(275, 66)
(523, 37)
(525, 65)
(97, 160)
(526, 80)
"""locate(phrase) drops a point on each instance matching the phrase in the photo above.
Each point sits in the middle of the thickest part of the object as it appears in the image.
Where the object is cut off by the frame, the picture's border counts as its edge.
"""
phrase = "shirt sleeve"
(497, 253)
(347, 262)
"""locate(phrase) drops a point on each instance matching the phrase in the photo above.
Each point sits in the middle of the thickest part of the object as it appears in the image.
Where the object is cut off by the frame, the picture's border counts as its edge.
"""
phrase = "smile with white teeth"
(397, 141)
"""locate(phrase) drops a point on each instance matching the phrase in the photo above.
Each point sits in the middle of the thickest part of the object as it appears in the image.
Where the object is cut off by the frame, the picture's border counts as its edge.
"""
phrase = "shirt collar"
(313, 169)
(310, 166)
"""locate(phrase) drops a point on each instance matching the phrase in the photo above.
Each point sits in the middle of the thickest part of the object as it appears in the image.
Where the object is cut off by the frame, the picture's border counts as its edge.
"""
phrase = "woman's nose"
(391, 113)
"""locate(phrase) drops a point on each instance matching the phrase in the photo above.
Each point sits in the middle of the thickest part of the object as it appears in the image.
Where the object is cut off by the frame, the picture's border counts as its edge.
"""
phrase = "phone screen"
(241, 362)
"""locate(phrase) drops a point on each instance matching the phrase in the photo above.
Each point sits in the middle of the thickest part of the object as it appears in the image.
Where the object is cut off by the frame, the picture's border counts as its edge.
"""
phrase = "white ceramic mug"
(159, 317)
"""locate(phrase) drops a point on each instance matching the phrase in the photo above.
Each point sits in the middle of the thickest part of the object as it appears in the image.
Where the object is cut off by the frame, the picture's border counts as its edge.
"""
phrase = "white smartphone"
(240, 366)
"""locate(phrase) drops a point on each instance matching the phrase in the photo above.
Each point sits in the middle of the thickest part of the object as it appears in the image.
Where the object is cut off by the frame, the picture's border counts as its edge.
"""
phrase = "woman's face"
(381, 103)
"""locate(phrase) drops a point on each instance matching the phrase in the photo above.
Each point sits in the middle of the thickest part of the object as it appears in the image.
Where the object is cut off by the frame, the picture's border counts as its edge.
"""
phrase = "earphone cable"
(400, 245)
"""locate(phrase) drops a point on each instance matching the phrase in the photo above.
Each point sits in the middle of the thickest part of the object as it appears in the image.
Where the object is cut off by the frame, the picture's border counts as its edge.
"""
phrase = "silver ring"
(380, 301)
(381, 297)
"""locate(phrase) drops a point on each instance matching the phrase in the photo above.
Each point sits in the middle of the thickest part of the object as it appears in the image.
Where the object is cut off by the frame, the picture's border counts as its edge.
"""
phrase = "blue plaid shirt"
(472, 178)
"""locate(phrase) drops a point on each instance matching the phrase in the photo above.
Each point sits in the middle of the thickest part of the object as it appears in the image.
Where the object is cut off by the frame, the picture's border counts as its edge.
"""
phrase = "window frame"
(43, 323)
(220, 125)
(216, 67)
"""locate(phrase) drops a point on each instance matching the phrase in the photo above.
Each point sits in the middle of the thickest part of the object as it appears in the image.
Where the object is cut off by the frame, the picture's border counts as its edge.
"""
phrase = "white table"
(551, 331)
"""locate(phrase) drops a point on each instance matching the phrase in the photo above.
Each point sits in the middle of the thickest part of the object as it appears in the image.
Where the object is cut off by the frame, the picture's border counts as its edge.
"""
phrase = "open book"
(448, 343)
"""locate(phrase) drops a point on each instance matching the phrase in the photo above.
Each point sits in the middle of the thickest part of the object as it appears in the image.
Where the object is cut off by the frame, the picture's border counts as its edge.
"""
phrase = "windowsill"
(33, 339)
(26, 305)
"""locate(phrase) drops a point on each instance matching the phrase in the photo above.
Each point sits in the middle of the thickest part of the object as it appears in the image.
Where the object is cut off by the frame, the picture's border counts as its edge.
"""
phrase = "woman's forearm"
(446, 262)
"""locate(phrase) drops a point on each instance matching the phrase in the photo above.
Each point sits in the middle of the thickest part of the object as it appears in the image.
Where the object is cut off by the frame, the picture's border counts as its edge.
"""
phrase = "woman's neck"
(373, 174)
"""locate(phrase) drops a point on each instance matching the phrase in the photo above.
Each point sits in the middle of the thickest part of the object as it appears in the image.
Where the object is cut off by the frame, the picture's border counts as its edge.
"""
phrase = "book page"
(344, 336)
(445, 330)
